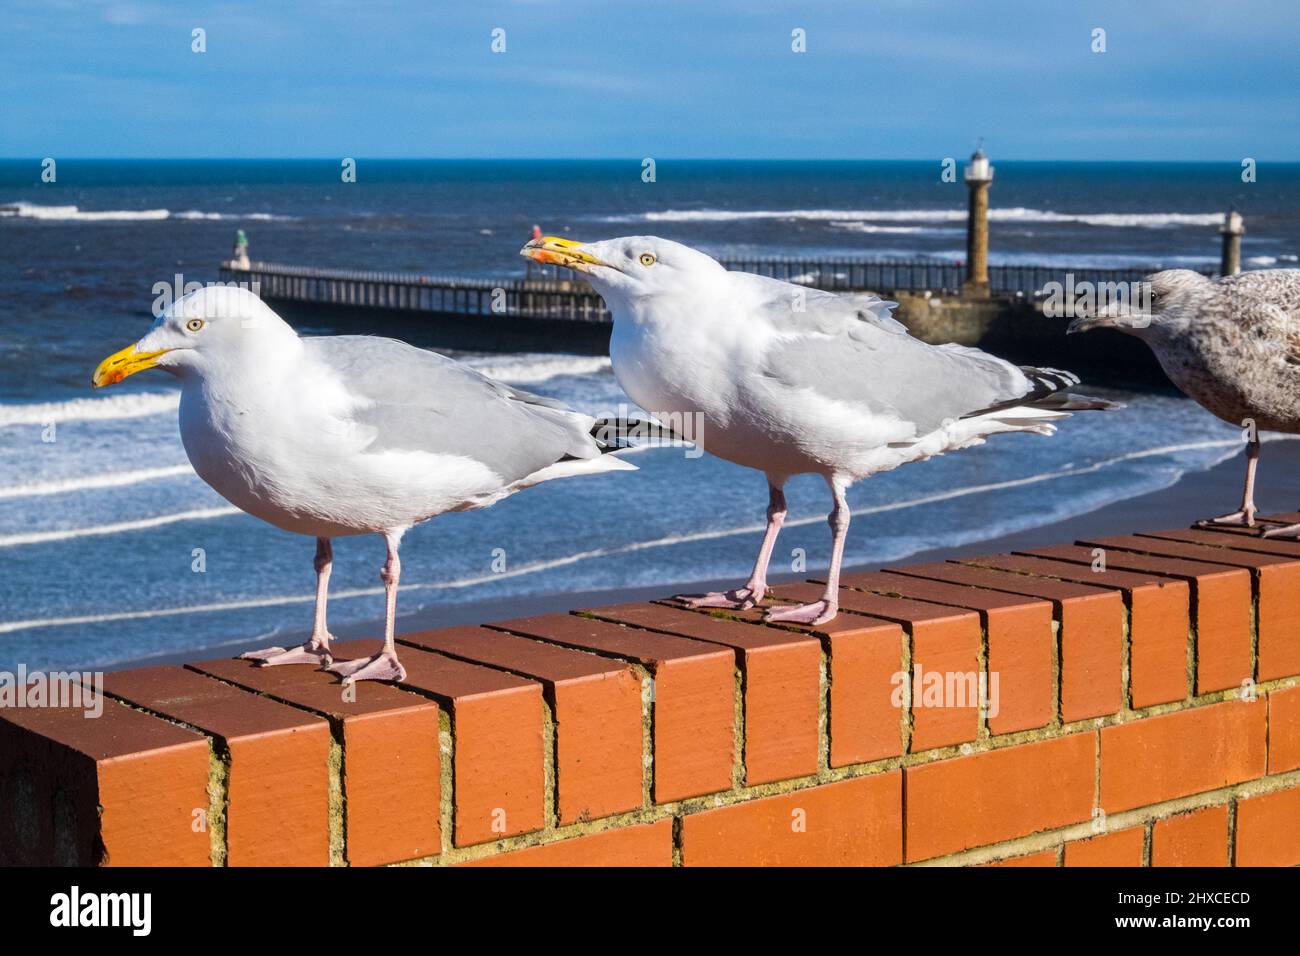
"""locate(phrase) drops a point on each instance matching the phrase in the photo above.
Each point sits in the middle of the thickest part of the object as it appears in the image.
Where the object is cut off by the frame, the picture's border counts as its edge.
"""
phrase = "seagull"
(1233, 345)
(330, 436)
(791, 380)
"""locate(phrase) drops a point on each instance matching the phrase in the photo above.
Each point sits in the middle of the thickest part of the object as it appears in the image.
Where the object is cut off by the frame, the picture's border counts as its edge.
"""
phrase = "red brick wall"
(1147, 714)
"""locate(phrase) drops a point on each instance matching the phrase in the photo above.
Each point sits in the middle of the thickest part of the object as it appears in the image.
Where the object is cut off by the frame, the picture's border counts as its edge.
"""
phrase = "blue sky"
(881, 79)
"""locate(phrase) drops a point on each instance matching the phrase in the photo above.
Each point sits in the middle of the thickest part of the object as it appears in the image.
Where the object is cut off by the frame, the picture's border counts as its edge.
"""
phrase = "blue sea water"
(102, 523)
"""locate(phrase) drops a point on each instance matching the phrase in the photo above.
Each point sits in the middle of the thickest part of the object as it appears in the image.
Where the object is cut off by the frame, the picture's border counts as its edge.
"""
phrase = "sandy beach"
(1196, 495)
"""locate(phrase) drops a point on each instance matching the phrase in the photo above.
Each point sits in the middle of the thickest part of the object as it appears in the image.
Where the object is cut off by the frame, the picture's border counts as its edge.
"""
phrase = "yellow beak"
(552, 250)
(121, 364)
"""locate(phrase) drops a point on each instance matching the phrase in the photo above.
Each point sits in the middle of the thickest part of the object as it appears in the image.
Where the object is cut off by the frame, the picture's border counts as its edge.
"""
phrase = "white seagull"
(791, 380)
(340, 435)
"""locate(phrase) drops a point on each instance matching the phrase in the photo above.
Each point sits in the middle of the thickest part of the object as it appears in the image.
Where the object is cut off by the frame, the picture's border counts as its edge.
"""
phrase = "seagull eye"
(647, 259)
(193, 325)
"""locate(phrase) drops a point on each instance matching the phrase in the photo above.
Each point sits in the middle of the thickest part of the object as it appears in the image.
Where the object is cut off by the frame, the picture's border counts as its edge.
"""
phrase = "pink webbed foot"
(312, 652)
(380, 667)
(1285, 531)
(1238, 519)
(737, 599)
(819, 612)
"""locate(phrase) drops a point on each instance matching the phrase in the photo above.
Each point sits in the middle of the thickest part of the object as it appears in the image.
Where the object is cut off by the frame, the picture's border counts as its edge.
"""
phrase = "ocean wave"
(1065, 261)
(1264, 262)
(157, 521)
(531, 368)
(1227, 448)
(90, 409)
(27, 210)
(1147, 220)
(112, 479)
(873, 229)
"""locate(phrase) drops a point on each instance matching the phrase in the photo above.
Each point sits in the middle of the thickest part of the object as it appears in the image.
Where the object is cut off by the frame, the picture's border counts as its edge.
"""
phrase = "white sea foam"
(27, 210)
(869, 228)
(1148, 220)
(112, 479)
(119, 527)
(90, 409)
(529, 368)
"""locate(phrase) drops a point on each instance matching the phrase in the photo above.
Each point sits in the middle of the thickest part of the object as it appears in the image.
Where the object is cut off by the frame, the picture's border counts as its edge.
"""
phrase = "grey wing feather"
(1266, 302)
(848, 348)
(419, 400)
(816, 309)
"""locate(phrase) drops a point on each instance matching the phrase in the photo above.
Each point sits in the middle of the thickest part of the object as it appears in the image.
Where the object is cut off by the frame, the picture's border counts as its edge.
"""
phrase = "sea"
(113, 550)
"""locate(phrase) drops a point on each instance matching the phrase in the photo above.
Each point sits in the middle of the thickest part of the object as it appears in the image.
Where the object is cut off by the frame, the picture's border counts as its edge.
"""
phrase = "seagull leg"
(819, 612)
(316, 650)
(384, 665)
(1245, 518)
(756, 588)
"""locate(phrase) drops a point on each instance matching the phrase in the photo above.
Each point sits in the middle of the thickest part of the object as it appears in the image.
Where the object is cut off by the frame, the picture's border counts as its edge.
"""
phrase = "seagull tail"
(617, 434)
(1051, 393)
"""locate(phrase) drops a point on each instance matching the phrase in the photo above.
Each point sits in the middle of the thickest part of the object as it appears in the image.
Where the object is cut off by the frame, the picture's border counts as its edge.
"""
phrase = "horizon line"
(1236, 161)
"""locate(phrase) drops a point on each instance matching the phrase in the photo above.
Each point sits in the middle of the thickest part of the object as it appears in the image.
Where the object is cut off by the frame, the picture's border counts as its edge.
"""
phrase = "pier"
(992, 306)
(545, 292)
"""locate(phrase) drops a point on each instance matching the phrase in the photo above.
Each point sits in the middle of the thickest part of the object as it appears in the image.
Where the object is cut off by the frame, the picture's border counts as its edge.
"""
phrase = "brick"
(781, 687)
(1042, 858)
(945, 644)
(58, 768)
(855, 822)
(597, 708)
(1277, 588)
(693, 702)
(987, 798)
(1221, 607)
(1284, 729)
(1121, 848)
(1267, 834)
(1020, 643)
(1239, 539)
(391, 760)
(1161, 758)
(1091, 632)
(650, 844)
(1159, 621)
(277, 784)
(498, 753)
(1199, 838)
(866, 657)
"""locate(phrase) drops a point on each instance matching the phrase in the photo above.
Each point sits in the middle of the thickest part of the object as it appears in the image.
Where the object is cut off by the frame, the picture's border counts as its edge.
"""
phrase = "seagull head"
(1166, 303)
(631, 267)
(200, 332)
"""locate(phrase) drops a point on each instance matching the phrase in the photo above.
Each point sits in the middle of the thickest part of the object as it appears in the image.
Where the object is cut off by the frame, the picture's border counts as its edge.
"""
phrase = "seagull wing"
(1266, 304)
(412, 399)
(849, 350)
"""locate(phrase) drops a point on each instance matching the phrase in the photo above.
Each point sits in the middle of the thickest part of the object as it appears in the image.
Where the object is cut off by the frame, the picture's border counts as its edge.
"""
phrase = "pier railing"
(549, 293)
(416, 292)
(924, 275)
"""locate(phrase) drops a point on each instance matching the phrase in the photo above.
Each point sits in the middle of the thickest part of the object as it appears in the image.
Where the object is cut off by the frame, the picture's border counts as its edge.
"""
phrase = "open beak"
(552, 250)
(121, 364)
